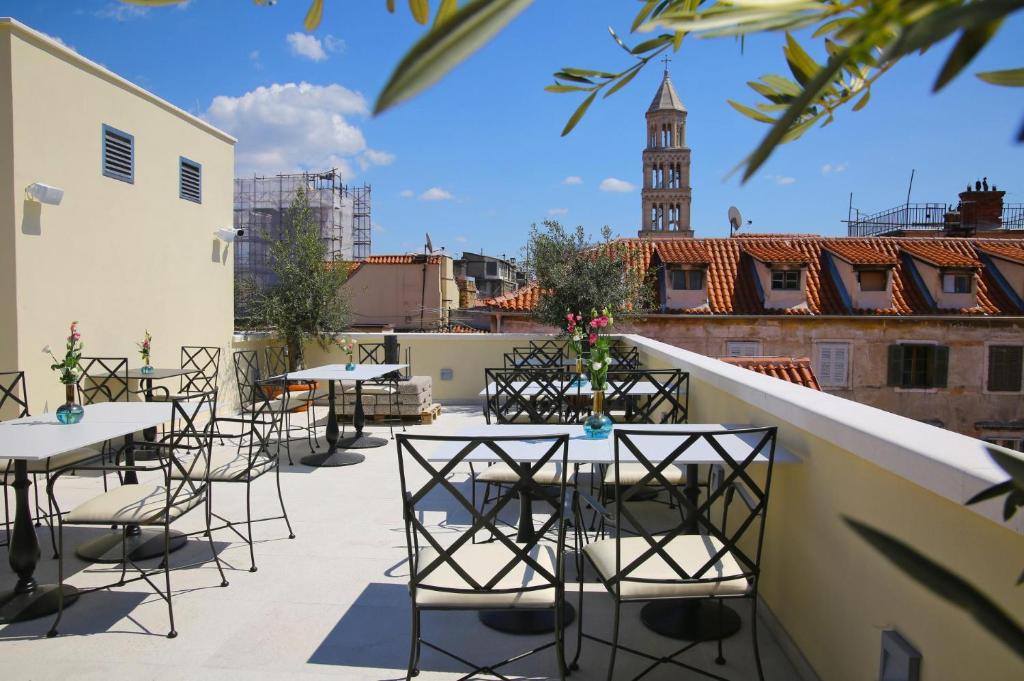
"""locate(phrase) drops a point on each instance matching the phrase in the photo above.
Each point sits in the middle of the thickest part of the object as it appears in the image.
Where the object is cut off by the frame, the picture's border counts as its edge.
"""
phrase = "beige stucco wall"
(120, 258)
(863, 300)
(780, 300)
(1013, 272)
(8, 271)
(393, 294)
(932, 277)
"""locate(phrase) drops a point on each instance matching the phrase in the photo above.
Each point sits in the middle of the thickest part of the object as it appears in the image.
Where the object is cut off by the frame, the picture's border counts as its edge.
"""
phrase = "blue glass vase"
(351, 366)
(597, 426)
(70, 412)
(146, 369)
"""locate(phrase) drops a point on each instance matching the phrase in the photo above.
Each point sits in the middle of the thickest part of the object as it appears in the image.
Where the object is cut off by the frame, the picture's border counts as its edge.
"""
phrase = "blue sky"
(478, 158)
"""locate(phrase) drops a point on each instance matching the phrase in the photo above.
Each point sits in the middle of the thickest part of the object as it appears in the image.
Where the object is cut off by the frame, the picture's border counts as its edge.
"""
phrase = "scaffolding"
(261, 209)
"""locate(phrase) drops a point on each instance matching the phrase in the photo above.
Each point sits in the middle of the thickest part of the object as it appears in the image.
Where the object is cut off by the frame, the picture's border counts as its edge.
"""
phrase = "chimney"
(467, 292)
(981, 210)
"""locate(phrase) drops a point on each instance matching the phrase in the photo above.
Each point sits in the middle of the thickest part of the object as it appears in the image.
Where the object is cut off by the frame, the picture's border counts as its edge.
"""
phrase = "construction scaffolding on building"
(261, 211)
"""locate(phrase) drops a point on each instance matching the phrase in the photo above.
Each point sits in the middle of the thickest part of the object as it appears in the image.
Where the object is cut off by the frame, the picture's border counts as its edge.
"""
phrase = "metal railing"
(911, 217)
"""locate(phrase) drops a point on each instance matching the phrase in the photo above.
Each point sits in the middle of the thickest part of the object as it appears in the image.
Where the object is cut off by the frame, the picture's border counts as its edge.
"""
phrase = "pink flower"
(569, 316)
(592, 338)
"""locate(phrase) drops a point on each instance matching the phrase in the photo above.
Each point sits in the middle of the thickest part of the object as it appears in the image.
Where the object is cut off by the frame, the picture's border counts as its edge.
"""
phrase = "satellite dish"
(430, 245)
(735, 219)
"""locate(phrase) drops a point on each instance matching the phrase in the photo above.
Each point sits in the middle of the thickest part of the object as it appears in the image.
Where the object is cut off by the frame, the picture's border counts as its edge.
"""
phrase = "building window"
(118, 155)
(1014, 443)
(1005, 368)
(833, 368)
(918, 366)
(492, 269)
(957, 283)
(190, 180)
(873, 280)
(687, 280)
(745, 348)
(785, 280)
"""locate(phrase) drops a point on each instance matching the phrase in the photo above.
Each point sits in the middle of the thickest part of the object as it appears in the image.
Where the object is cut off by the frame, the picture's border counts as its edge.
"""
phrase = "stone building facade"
(665, 196)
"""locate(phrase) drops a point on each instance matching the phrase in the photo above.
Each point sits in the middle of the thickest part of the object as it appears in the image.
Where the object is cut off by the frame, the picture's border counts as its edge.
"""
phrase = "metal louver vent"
(191, 180)
(118, 154)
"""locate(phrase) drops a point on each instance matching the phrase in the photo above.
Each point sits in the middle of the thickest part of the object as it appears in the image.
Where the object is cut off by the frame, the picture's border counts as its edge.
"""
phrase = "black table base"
(526, 622)
(332, 459)
(361, 442)
(39, 602)
(148, 543)
(691, 620)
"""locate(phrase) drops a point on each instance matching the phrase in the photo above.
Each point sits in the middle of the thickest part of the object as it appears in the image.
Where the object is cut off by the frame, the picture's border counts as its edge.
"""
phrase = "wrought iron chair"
(693, 558)
(250, 460)
(387, 386)
(531, 395)
(203, 363)
(496, 574)
(251, 395)
(664, 397)
(535, 357)
(304, 393)
(184, 460)
(624, 356)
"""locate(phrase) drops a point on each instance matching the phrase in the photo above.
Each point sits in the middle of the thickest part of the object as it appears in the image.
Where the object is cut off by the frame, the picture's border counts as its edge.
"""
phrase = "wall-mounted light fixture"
(228, 234)
(44, 193)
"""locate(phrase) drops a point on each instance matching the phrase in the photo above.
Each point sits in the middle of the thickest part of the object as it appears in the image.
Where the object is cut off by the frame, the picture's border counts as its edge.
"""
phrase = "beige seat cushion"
(139, 504)
(227, 464)
(501, 472)
(632, 473)
(483, 561)
(690, 551)
(78, 456)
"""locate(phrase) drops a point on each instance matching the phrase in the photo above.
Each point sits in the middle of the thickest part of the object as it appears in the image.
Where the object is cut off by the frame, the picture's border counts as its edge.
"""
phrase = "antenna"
(910, 186)
(735, 220)
(429, 245)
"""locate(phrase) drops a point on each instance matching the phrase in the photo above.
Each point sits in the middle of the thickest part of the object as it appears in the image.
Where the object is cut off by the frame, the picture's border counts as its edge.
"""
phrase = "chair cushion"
(632, 473)
(690, 551)
(139, 504)
(501, 472)
(227, 464)
(481, 562)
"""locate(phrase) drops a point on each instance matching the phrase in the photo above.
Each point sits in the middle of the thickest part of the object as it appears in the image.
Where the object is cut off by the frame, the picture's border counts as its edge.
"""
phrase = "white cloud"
(375, 157)
(120, 11)
(332, 44)
(305, 45)
(294, 126)
(781, 180)
(59, 41)
(558, 211)
(573, 179)
(407, 193)
(614, 184)
(461, 239)
(254, 57)
(436, 194)
(834, 168)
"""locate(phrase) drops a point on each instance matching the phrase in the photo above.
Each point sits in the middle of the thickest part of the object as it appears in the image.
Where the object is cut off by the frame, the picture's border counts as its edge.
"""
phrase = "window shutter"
(895, 365)
(825, 364)
(1005, 367)
(190, 180)
(118, 155)
(840, 364)
(939, 366)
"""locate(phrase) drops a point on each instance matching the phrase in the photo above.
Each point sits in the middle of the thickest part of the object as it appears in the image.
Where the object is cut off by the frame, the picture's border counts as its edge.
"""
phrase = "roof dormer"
(1005, 262)
(949, 277)
(781, 275)
(683, 277)
(863, 274)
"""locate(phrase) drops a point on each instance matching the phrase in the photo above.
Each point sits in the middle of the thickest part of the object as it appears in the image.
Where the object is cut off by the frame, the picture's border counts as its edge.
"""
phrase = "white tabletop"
(337, 372)
(530, 388)
(583, 450)
(35, 438)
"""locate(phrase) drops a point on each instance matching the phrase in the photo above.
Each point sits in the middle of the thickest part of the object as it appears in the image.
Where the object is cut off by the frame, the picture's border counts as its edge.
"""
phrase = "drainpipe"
(423, 291)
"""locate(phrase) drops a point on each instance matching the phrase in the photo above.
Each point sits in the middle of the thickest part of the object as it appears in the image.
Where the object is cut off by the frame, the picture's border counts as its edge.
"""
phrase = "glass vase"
(70, 412)
(581, 378)
(146, 368)
(351, 366)
(597, 426)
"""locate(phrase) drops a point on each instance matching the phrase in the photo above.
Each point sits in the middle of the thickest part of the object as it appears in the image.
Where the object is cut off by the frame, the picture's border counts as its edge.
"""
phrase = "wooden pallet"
(425, 418)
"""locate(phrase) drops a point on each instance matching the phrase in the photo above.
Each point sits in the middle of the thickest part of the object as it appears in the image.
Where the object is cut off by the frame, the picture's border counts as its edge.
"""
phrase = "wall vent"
(118, 155)
(190, 180)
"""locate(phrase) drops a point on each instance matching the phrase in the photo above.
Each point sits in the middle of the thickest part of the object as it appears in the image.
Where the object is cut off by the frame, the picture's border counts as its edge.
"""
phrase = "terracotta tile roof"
(400, 259)
(732, 290)
(941, 254)
(858, 253)
(682, 252)
(1008, 251)
(793, 369)
(774, 252)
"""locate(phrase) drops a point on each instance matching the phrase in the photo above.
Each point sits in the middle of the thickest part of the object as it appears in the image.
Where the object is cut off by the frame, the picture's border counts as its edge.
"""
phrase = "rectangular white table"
(533, 389)
(338, 372)
(146, 378)
(37, 438)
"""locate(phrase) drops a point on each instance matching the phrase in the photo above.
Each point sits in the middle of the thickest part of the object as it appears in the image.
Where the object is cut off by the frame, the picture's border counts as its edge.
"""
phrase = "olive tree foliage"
(575, 274)
(307, 302)
(862, 40)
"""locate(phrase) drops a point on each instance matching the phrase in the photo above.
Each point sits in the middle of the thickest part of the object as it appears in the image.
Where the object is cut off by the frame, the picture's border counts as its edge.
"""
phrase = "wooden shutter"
(833, 364)
(1005, 367)
(938, 366)
(895, 365)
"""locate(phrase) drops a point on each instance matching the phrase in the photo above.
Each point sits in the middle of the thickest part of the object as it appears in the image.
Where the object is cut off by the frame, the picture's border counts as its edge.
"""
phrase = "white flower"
(595, 366)
(46, 350)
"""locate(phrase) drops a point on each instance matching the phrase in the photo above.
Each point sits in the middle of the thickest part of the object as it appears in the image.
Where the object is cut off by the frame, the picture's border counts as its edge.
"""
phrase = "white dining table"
(337, 372)
(533, 388)
(37, 438)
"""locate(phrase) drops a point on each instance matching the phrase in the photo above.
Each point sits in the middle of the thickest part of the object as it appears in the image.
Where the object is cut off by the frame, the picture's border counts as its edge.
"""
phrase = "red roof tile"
(1008, 251)
(858, 253)
(400, 259)
(792, 369)
(682, 252)
(941, 254)
(774, 252)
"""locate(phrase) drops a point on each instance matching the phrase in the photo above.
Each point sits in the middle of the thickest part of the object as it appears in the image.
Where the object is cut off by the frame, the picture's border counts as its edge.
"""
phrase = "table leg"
(332, 457)
(28, 599)
(140, 543)
(526, 622)
(686, 618)
(149, 433)
(360, 441)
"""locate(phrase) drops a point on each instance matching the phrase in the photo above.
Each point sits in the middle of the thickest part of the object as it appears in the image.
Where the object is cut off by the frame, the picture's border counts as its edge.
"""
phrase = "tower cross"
(666, 59)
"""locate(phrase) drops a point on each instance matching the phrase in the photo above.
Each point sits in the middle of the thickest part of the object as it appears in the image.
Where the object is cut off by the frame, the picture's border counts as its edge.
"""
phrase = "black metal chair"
(624, 356)
(529, 394)
(536, 357)
(386, 386)
(104, 379)
(668, 403)
(249, 461)
(304, 393)
(184, 460)
(252, 394)
(693, 558)
(448, 571)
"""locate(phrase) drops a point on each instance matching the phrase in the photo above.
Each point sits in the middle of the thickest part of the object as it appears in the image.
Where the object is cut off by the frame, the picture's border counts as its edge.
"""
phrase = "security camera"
(229, 234)
(44, 193)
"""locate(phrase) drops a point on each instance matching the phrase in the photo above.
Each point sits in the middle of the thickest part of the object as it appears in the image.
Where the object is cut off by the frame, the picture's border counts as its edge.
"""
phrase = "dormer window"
(957, 282)
(687, 280)
(785, 280)
(873, 280)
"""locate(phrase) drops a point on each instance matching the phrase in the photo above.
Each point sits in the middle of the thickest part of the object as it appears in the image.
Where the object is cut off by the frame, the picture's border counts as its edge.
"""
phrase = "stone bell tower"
(666, 192)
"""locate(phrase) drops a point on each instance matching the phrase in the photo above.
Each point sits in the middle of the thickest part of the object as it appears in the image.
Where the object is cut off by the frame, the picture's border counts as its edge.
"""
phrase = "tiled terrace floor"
(330, 603)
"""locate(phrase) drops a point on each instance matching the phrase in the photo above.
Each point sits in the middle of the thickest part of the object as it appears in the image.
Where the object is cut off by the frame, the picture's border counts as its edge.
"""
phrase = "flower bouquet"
(348, 346)
(69, 370)
(144, 348)
(598, 425)
(574, 330)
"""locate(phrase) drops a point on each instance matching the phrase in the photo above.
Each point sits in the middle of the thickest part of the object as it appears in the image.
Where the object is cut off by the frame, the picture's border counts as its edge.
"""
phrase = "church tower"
(666, 192)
